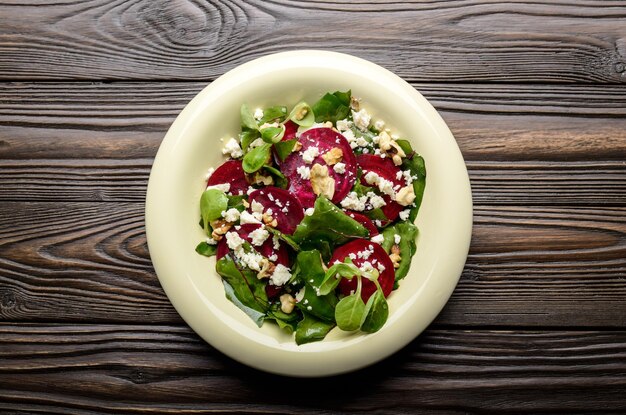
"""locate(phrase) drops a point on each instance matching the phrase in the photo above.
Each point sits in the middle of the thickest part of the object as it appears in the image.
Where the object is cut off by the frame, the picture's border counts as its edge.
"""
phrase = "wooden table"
(535, 94)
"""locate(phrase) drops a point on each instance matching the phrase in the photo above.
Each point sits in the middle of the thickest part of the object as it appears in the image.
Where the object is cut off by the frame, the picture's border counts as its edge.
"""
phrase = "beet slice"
(290, 130)
(365, 221)
(267, 249)
(230, 171)
(286, 208)
(378, 256)
(324, 139)
(385, 168)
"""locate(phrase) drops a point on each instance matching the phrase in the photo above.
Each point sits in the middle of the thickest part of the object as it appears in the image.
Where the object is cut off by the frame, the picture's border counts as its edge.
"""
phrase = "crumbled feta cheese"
(379, 125)
(399, 175)
(246, 217)
(340, 168)
(309, 211)
(259, 236)
(281, 275)
(352, 255)
(304, 172)
(397, 238)
(224, 187)
(383, 185)
(231, 215)
(300, 294)
(270, 197)
(349, 136)
(250, 190)
(258, 114)
(256, 143)
(285, 209)
(309, 154)
(354, 202)
(343, 125)
(234, 241)
(378, 223)
(404, 215)
(269, 212)
(361, 119)
(209, 173)
(380, 267)
(379, 239)
(232, 149)
(211, 241)
(375, 200)
(361, 142)
(256, 207)
(309, 308)
(276, 242)
(252, 260)
(273, 257)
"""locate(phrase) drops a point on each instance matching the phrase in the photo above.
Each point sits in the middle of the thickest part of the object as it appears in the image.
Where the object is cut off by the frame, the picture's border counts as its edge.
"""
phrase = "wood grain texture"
(480, 40)
(528, 266)
(493, 183)
(165, 369)
(490, 122)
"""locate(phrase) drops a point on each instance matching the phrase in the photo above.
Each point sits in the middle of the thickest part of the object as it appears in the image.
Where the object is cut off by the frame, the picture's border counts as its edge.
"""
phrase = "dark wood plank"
(493, 183)
(490, 122)
(528, 266)
(463, 40)
(162, 369)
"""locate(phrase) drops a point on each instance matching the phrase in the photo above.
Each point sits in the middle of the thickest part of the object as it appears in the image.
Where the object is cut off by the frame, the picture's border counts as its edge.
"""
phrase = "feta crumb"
(273, 257)
(276, 242)
(246, 217)
(340, 168)
(232, 149)
(256, 143)
(379, 125)
(309, 308)
(304, 172)
(404, 215)
(285, 209)
(259, 236)
(309, 154)
(354, 202)
(397, 238)
(361, 142)
(211, 241)
(361, 119)
(250, 190)
(309, 211)
(281, 275)
(379, 239)
(343, 125)
(375, 200)
(300, 294)
(224, 187)
(256, 207)
(383, 185)
(252, 260)
(231, 215)
(399, 175)
(352, 255)
(234, 241)
(258, 114)
(209, 173)
(380, 267)
(270, 197)
(378, 223)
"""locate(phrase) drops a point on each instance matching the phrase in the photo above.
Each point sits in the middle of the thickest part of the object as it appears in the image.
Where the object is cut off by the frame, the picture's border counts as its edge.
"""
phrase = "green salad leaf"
(332, 107)
(311, 272)
(375, 313)
(416, 165)
(212, 203)
(277, 113)
(205, 249)
(287, 322)
(349, 312)
(247, 136)
(302, 114)
(311, 329)
(279, 178)
(285, 148)
(272, 135)
(327, 224)
(247, 119)
(256, 158)
(408, 233)
(244, 289)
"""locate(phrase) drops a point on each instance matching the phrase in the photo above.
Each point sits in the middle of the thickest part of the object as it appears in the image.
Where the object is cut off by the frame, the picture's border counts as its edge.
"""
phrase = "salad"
(311, 217)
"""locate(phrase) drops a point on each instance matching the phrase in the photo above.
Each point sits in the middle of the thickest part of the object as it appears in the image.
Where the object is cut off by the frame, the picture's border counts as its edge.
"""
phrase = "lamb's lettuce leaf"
(332, 107)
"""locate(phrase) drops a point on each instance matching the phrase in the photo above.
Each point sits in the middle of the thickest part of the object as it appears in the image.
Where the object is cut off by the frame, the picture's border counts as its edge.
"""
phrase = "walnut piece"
(267, 269)
(297, 146)
(406, 195)
(258, 178)
(287, 303)
(395, 256)
(321, 182)
(220, 227)
(391, 148)
(333, 156)
(269, 220)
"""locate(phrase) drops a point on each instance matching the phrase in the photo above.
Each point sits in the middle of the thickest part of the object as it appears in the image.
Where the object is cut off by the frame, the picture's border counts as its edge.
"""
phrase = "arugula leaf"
(244, 289)
(277, 113)
(349, 312)
(279, 178)
(285, 148)
(247, 119)
(312, 329)
(302, 114)
(247, 136)
(256, 158)
(408, 232)
(328, 224)
(332, 107)
(375, 313)
(212, 203)
(205, 249)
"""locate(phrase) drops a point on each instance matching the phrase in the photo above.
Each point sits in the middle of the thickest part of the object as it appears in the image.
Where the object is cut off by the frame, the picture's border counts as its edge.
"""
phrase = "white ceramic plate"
(192, 145)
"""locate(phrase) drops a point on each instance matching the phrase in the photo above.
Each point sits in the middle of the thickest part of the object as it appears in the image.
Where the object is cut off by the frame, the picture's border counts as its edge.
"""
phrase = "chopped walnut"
(302, 112)
(395, 256)
(245, 203)
(328, 124)
(406, 195)
(390, 147)
(258, 178)
(267, 269)
(269, 220)
(321, 182)
(287, 302)
(297, 146)
(333, 156)
(355, 104)
(220, 227)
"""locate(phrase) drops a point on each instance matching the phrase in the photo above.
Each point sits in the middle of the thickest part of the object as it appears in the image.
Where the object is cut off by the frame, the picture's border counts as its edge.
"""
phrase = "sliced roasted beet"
(290, 130)
(375, 255)
(230, 172)
(324, 139)
(365, 221)
(272, 291)
(385, 168)
(267, 249)
(286, 208)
